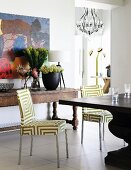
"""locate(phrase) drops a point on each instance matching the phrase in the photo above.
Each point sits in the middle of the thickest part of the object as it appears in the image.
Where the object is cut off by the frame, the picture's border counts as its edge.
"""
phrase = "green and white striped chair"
(94, 115)
(30, 126)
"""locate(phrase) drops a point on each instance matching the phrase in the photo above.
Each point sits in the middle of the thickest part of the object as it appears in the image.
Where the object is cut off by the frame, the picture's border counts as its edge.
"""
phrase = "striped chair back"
(26, 106)
(94, 90)
(90, 91)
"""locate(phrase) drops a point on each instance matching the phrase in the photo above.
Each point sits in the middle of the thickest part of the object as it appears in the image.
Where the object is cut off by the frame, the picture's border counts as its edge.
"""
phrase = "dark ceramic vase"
(51, 80)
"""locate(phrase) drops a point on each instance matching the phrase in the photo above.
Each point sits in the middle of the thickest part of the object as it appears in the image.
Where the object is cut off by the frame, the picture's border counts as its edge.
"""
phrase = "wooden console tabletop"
(43, 96)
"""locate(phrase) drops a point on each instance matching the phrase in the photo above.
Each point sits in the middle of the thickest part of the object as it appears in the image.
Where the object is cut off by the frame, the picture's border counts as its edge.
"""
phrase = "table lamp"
(58, 56)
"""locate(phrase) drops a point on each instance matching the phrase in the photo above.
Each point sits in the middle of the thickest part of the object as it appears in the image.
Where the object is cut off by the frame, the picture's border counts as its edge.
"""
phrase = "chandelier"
(90, 23)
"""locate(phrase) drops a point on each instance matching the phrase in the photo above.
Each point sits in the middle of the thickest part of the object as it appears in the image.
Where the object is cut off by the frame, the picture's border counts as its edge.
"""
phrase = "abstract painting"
(16, 33)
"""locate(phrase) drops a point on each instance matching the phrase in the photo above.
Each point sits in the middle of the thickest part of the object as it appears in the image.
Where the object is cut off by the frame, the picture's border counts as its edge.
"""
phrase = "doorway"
(87, 51)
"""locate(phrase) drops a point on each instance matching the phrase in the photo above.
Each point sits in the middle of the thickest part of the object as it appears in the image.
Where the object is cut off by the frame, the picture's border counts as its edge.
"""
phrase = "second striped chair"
(94, 115)
(30, 126)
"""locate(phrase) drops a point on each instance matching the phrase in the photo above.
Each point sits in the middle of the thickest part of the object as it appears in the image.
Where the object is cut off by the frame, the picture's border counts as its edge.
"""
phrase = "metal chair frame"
(22, 109)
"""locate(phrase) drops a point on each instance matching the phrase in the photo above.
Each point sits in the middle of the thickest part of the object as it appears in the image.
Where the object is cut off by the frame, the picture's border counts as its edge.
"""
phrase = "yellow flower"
(51, 69)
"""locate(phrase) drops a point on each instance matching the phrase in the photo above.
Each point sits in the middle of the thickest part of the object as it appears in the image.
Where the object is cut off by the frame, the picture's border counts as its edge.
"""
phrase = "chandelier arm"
(89, 22)
(84, 15)
(93, 17)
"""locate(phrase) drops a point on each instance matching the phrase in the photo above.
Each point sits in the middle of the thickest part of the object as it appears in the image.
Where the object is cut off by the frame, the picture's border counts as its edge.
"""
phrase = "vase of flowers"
(36, 57)
(24, 72)
(51, 76)
(35, 85)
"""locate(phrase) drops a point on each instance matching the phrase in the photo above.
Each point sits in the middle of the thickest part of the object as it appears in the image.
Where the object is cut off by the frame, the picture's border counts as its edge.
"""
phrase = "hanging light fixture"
(90, 23)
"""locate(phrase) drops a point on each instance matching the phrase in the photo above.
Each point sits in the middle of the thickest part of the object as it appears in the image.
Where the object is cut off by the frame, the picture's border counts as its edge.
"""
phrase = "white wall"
(106, 38)
(62, 19)
(121, 45)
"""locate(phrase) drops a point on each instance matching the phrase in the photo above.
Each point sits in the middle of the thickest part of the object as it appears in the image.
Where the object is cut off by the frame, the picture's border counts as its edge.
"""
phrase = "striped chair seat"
(96, 115)
(43, 127)
(30, 126)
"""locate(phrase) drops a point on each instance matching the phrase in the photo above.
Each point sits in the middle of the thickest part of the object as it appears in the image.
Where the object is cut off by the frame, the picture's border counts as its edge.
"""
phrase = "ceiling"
(99, 4)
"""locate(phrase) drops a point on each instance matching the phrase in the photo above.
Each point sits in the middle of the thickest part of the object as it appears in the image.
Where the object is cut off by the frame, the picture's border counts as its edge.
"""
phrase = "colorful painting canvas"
(16, 33)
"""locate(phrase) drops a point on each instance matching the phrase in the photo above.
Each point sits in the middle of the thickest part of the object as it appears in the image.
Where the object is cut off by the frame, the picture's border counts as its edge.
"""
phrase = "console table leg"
(75, 120)
(54, 110)
(48, 111)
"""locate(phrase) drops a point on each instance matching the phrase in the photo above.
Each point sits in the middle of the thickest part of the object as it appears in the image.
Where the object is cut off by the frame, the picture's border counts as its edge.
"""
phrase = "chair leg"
(103, 131)
(57, 148)
(82, 131)
(67, 153)
(20, 147)
(100, 136)
(31, 146)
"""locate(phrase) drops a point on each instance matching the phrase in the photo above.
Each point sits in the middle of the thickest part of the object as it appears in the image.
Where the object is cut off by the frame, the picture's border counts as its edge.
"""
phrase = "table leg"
(54, 110)
(106, 86)
(48, 112)
(75, 120)
(120, 126)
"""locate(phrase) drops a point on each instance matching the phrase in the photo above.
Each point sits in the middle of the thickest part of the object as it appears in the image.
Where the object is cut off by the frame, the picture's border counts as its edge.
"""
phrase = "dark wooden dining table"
(120, 125)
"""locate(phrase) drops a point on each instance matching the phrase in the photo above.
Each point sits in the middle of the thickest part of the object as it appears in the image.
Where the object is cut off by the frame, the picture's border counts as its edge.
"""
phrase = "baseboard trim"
(10, 128)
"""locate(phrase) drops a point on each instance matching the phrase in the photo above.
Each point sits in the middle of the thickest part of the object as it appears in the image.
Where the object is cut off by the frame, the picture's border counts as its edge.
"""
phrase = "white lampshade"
(58, 56)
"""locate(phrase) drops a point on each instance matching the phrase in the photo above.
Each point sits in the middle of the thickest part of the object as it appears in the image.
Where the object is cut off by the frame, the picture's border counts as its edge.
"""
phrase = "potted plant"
(36, 57)
(51, 76)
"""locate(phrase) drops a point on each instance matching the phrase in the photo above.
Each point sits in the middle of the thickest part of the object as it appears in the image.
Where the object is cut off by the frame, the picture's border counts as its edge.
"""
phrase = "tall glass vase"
(35, 85)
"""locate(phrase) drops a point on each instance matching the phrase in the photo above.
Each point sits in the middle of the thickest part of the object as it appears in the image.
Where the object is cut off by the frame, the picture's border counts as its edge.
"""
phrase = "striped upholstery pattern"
(92, 114)
(43, 127)
(30, 126)
(94, 90)
(26, 106)
(97, 116)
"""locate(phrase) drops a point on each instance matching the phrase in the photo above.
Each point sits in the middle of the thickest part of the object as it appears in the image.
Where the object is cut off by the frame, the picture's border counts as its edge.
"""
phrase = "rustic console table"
(43, 96)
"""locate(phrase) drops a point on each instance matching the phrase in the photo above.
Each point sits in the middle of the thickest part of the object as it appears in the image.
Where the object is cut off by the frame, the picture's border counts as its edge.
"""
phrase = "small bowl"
(6, 86)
